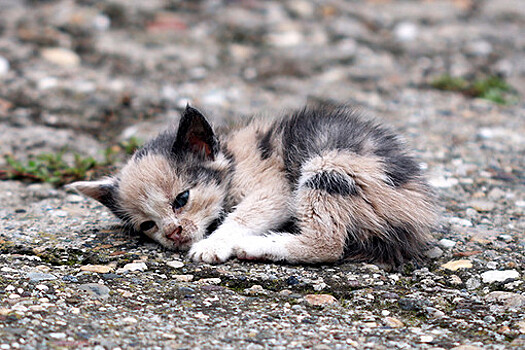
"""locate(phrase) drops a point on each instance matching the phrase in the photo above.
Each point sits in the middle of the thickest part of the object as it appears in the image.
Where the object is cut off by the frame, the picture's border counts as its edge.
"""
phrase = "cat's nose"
(175, 234)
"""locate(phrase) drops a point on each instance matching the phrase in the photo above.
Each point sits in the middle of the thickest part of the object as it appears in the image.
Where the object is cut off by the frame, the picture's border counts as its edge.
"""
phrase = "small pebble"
(482, 206)
(209, 281)
(61, 57)
(434, 313)
(393, 322)
(446, 243)
(139, 266)
(455, 280)
(492, 265)
(183, 278)
(74, 198)
(434, 253)
(320, 299)
(405, 31)
(460, 222)
(129, 321)
(472, 283)
(96, 268)
(4, 66)
(457, 264)
(175, 264)
(495, 194)
(426, 339)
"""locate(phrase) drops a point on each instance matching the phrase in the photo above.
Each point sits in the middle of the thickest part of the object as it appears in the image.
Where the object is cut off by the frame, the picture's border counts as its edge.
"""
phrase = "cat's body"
(319, 185)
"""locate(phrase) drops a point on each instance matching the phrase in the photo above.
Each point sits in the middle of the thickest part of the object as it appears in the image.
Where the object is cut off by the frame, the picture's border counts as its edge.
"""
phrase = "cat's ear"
(104, 191)
(195, 135)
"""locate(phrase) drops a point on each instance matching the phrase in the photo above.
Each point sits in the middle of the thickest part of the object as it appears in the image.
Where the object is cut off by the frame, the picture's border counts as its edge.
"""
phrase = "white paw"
(211, 251)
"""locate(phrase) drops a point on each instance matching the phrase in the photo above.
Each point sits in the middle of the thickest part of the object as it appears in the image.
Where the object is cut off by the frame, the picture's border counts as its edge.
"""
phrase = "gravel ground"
(84, 74)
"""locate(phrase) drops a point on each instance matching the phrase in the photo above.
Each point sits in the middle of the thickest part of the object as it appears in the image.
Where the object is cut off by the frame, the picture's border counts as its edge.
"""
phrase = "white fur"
(219, 246)
(272, 247)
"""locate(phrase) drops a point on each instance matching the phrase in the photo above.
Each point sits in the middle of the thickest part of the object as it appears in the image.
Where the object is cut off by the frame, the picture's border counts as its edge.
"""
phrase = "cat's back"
(319, 132)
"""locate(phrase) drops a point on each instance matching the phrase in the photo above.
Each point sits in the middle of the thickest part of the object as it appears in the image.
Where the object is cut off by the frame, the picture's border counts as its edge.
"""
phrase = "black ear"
(195, 135)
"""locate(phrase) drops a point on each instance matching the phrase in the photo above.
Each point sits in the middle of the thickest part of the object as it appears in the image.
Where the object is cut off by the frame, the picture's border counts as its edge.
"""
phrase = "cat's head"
(173, 188)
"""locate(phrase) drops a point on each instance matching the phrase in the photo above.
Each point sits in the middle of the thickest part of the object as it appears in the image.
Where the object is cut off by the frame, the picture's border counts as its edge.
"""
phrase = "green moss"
(449, 83)
(48, 167)
(490, 88)
(53, 168)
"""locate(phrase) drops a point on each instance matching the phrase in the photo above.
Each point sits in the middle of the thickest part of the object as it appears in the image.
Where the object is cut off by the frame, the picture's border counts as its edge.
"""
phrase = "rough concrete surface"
(83, 75)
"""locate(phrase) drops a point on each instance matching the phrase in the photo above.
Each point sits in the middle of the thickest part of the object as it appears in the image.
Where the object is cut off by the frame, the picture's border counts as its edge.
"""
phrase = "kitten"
(318, 186)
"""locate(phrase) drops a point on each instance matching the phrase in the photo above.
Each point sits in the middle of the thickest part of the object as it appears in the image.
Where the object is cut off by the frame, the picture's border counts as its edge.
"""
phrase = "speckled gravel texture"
(71, 278)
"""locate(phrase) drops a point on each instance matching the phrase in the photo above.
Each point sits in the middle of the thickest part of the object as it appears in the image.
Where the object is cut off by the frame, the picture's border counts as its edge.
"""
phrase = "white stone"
(61, 57)
(426, 339)
(482, 206)
(4, 66)
(446, 243)
(405, 31)
(59, 213)
(129, 320)
(74, 198)
(133, 267)
(287, 38)
(209, 281)
(101, 22)
(47, 83)
(460, 222)
(175, 264)
(442, 182)
(455, 265)
(57, 335)
(499, 276)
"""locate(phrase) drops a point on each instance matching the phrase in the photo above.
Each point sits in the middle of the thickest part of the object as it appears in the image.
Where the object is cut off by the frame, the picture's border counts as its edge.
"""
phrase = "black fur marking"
(203, 174)
(264, 144)
(333, 183)
(110, 200)
(399, 167)
(290, 226)
(213, 225)
(402, 245)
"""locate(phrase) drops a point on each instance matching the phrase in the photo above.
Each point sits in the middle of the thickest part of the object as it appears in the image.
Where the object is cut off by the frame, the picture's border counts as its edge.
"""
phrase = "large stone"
(499, 276)
(482, 205)
(95, 290)
(39, 276)
(509, 300)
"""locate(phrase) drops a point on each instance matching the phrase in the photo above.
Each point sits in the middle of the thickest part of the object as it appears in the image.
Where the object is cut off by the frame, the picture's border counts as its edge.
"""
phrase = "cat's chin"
(180, 245)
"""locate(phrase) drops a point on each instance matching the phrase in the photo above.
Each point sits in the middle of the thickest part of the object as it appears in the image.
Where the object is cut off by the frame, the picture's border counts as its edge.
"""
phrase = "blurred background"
(96, 78)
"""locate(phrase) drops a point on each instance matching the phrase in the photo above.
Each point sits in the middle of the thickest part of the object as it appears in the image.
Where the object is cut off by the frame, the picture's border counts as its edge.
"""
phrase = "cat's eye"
(147, 225)
(181, 199)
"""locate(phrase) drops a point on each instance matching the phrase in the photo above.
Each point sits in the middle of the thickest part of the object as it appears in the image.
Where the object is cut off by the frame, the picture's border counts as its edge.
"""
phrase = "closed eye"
(181, 200)
(147, 225)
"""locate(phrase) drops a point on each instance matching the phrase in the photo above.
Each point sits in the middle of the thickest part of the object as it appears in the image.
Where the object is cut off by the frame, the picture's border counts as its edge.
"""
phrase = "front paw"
(211, 251)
